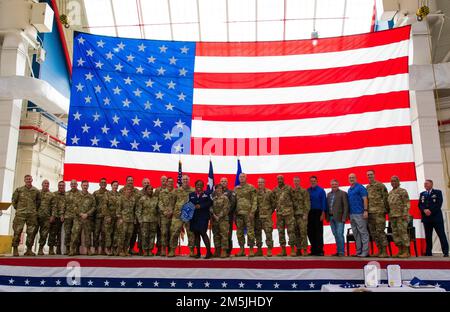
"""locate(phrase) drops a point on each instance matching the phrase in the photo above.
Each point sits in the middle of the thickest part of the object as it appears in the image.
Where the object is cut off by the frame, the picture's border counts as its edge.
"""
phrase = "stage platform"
(187, 274)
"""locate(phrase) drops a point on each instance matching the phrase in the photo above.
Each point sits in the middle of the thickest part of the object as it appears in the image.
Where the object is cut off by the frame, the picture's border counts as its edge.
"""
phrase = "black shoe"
(320, 254)
(446, 255)
(208, 255)
(197, 256)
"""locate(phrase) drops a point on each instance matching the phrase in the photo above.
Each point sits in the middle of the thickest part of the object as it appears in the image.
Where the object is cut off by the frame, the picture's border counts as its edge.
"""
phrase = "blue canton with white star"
(131, 94)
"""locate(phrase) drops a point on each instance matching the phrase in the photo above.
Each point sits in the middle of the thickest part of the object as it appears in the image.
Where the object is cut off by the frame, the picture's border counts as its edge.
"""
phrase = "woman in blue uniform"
(200, 220)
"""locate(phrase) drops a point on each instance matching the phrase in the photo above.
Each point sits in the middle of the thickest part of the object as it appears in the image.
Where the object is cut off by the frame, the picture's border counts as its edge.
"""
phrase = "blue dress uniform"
(432, 200)
(199, 222)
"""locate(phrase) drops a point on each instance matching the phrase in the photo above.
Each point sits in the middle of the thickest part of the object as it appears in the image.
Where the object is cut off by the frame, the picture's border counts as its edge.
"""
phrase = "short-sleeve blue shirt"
(355, 198)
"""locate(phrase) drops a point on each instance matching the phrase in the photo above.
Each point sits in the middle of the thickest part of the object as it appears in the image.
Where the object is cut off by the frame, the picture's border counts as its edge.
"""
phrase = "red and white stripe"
(292, 108)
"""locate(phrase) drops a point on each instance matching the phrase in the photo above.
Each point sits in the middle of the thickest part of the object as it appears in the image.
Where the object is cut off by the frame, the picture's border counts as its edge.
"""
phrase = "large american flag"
(324, 107)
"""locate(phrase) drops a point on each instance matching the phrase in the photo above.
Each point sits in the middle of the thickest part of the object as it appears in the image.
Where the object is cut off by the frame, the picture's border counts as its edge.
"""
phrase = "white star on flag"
(311, 285)
(145, 133)
(182, 72)
(162, 49)
(159, 95)
(184, 50)
(75, 139)
(27, 282)
(181, 97)
(134, 145)
(98, 89)
(124, 131)
(169, 106)
(189, 284)
(109, 55)
(106, 283)
(173, 60)
(114, 142)
(118, 67)
(116, 119)
(130, 58)
(141, 47)
(89, 76)
(137, 92)
(58, 282)
(139, 284)
(149, 83)
(87, 99)
(156, 147)
(90, 52)
(168, 135)
(241, 285)
(276, 285)
(11, 281)
(80, 62)
(206, 284)
(140, 70)
(79, 87)
(173, 284)
(85, 128)
(90, 283)
(178, 148)
(121, 46)
(128, 81)
(123, 283)
(126, 103)
(106, 101)
(224, 285)
(107, 78)
(81, 40)
(161, 71)
(100, 44)
(179, 124)
(258, 285)
(147, 105)
(136, 120)
(155, 284)
(77, 116)
(105, 129)
(99, 64)
(94, 141)
(171, 85)
(151, 59)
(42, 282)
(117, 90)
(294, 285)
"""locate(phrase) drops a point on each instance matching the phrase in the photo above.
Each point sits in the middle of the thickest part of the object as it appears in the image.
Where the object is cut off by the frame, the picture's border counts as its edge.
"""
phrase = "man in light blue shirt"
(357, 201)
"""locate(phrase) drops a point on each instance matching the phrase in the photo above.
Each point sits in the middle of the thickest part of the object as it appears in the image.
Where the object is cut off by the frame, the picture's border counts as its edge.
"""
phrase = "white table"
(380, 288)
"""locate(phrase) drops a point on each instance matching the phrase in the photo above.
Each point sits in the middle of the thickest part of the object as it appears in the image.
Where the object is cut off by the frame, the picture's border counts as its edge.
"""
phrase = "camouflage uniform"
(166, 205)
(398, 200)
(127, 214)
(111, 228)
(136, 235)
(182, 197)
(377, 197)
(284, 200)
(220, 228)
(101, 202)
(46, 209)
(158, 230)
(147, 216)
(26, 202)
(302, 205)
(72, 201)
(86, 205)
(246, 204)
(231, 216)
(54, 238)
(266, 207)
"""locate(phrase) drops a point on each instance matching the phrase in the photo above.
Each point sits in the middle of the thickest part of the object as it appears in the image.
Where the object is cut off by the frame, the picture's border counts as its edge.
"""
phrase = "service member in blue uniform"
(430, 203)
(200, 220)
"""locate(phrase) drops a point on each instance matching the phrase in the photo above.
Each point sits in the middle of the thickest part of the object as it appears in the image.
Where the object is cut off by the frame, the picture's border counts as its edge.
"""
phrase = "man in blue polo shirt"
(316, 215)
(357, 202)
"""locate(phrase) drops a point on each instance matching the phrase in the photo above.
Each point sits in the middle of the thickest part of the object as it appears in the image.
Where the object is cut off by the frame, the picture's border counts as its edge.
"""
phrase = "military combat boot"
(223, 253)
(191, 252)
(269, 251)
(216, 253)
(293, 254)
(305, 252)
(283, 252)
(403, 252)
(383, 254)
(67, 252)
(58, 250)
(163, 251)
(108, 251)
(15, 251)
(251, 252)
(241, 253)
(171, 253)
(298, 252)
(41, 251)
(51, 251)
(259, 252)
(29, 253)
(89, 252)
(71, 252)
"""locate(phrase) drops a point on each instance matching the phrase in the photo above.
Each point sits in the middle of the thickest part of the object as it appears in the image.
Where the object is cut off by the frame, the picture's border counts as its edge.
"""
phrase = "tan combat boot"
(283, 252)
(41, 251)
(108, 251)
(251, 252)
(293, 254)
(67, 252)
(216, 252)
(259, 253)
(29, 253)
(191, 252)
(383, 254)
(269, 251)
(163, 251)
(51, 251)
(241, 253)
(223, 253)
(305, 252)
(171, 253)
(15, 251)
(403, 252)
(299, 252)
(72, 252)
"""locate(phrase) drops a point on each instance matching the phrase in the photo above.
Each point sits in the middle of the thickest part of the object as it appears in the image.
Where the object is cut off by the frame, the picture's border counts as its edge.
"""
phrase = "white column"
(12, 62)
(425, 131)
